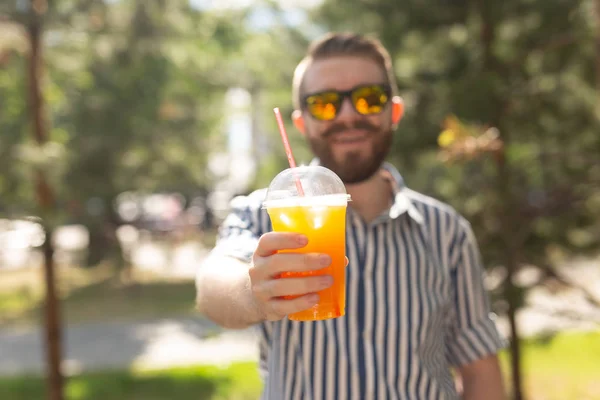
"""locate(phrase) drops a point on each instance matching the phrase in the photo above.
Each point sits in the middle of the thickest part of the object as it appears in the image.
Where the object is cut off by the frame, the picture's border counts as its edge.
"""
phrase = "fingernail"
(302, 239)
(324, 260)
(312, 298)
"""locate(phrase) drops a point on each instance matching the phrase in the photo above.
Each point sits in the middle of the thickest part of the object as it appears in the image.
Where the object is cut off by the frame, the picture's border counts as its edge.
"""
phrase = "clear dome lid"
(317, 183)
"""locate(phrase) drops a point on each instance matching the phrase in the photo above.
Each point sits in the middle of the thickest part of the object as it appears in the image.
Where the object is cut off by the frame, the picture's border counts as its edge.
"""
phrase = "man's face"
(352, 145)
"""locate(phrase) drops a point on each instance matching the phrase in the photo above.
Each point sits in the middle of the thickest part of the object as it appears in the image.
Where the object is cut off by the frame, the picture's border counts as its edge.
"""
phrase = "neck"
(370, 198)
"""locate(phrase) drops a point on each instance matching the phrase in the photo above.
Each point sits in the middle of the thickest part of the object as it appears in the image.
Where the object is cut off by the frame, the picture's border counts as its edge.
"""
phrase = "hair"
(342, 45)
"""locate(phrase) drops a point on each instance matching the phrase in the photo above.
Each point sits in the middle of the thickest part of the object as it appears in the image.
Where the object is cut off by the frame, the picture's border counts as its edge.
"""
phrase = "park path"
(142, 344)
(192, 341)
(174, 342)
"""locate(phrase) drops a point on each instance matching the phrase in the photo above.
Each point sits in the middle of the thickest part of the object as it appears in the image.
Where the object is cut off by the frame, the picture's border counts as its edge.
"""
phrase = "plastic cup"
(320, 214)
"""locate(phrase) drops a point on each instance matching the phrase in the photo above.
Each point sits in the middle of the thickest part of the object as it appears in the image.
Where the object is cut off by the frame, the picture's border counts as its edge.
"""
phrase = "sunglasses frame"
(347, 94)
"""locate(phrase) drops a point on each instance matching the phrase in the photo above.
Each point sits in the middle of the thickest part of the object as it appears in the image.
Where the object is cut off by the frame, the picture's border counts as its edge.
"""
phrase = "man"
(416, 306)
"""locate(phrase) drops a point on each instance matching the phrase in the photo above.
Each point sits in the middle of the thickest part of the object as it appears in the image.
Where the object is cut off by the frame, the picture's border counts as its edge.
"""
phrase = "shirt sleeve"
(472, 332)
(238, 237)
(239, 233)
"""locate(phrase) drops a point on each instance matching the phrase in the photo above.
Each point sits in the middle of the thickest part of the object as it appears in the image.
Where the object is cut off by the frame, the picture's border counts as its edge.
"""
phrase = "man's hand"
(268, 289)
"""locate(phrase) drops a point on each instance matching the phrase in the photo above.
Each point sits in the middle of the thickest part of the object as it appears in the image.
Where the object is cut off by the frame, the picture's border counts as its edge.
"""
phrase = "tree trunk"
(46, 204)
(515, 354)
(515, 339)
(53, 325)
(511, 263)
(598, 49)
(505, 210)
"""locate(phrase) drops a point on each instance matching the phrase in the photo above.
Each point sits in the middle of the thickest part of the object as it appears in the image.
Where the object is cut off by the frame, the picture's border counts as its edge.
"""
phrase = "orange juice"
(323, 220)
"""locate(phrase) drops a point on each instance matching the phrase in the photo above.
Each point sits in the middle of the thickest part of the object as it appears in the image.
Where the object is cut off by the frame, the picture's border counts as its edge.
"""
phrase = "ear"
(298, 120)
(397, 109)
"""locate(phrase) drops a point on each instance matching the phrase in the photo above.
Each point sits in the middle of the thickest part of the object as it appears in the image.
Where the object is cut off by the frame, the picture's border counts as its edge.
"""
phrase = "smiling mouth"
(349, 137)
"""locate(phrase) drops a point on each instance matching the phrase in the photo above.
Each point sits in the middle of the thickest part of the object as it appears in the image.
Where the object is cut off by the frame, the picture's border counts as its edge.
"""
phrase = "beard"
(355, 167)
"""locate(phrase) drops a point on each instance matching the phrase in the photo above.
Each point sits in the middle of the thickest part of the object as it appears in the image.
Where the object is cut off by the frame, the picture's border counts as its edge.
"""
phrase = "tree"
(135, 96)
(524, 68)
(33, 23)
(129, 99)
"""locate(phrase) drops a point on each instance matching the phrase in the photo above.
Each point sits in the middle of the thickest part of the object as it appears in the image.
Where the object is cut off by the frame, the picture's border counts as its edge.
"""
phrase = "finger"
(297, 286)
(293, 262)
(271, 242)
(281, 308)
(346, 261)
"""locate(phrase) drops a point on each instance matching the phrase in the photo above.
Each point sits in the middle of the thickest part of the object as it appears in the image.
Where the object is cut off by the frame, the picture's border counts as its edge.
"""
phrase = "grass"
(98, 294)
(237, 382)
(565, 367)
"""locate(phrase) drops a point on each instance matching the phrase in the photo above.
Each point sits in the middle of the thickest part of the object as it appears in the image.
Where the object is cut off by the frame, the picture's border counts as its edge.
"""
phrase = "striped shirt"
(416, 306)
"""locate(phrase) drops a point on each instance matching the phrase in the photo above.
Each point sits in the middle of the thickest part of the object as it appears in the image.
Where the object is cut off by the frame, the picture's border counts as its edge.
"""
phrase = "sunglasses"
(366, 100)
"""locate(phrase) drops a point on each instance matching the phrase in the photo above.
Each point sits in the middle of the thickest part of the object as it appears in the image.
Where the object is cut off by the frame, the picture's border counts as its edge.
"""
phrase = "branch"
(556, 201)
(551, 273)
(553, 43)
(561, 155)
(598, 46)
(568, 314)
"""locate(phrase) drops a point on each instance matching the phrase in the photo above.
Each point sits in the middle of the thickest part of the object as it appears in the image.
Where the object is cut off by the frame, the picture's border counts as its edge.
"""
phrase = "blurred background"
(126, 126)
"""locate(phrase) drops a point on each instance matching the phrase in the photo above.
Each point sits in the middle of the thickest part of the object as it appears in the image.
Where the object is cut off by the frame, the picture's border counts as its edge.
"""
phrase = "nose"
(346, 111)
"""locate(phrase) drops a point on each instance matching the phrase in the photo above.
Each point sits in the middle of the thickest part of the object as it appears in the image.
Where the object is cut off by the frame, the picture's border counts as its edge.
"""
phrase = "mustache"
(358, 125)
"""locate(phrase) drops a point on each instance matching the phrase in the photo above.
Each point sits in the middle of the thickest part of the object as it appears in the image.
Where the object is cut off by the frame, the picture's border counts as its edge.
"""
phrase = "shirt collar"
(402, 202)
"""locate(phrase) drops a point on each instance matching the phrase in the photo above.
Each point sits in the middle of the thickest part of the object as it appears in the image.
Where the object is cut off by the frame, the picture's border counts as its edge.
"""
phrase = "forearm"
(483, 380)
(224, 295)
(482, 390)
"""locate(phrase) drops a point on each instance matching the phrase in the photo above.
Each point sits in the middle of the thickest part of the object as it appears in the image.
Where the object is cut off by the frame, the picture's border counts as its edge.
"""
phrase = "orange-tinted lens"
(323, 106)
(369, 99)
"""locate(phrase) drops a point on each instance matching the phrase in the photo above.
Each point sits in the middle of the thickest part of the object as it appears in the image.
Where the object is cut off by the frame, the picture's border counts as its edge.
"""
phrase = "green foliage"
(135, 92)
(525, 67)
(134, 95)
(13, 114)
